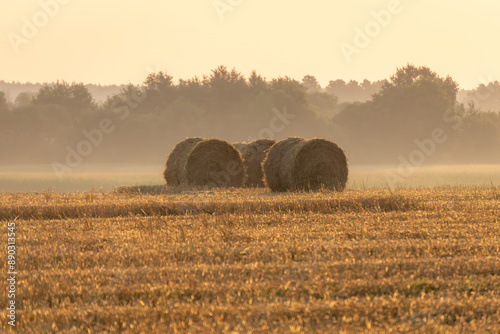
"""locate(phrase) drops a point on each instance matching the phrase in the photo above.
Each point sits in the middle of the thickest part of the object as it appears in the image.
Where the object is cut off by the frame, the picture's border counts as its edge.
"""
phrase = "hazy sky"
(120, 41)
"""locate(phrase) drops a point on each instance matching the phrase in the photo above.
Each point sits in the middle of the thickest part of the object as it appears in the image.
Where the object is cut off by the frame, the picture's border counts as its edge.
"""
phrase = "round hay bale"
(300, 164)
(176, 162)
(205, 163)
(253, 155)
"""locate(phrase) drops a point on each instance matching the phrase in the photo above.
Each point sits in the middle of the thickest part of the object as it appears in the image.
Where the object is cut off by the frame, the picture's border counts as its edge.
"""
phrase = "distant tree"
(186, 112)
(228, 90)
(4, 106)
(81, 98)
(160, 92)
(133, 94)
(371, 88)
(353, 84)
(288, 92)
(257, 83)
(353, 90)
(355, 114)
(479, 139)
(335, 84)
(366, 84)
(193, 89)
(73, 96)
(24, 99)
(128, 100)
(486, 97)
(222, 78)
(410, 74)
(311, 84)
(324, 104)
(357, 121)
(417, 93)
(160, 82)
(409, 107)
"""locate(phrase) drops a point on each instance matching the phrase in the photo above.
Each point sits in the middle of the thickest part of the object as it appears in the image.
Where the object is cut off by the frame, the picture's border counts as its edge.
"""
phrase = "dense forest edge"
(415, 117)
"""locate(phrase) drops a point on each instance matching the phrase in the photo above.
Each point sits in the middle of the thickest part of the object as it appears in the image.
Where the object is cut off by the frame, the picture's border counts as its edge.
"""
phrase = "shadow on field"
(158, 201)
(144, 190)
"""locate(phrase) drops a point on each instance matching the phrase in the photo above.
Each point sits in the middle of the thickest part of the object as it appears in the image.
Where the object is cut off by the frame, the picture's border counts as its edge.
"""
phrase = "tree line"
(391, 120)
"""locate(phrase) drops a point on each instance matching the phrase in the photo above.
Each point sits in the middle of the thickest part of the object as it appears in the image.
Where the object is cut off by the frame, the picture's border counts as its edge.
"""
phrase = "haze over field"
(395, 82)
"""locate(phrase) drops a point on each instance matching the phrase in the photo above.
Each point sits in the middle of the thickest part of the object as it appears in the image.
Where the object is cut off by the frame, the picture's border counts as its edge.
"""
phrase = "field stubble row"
(410, 260)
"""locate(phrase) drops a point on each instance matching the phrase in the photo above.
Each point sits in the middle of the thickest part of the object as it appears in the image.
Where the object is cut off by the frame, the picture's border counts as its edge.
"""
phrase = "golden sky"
(120, 41)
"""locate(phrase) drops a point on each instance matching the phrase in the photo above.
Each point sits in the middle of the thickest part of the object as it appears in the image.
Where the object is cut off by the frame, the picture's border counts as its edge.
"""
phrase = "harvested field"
(250, 260)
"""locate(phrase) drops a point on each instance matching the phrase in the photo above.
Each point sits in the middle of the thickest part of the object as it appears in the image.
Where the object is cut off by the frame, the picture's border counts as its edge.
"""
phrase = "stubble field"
(414, 260)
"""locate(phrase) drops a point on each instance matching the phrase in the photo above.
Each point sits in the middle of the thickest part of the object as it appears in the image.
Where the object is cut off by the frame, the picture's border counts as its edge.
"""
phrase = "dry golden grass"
(251, 261)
